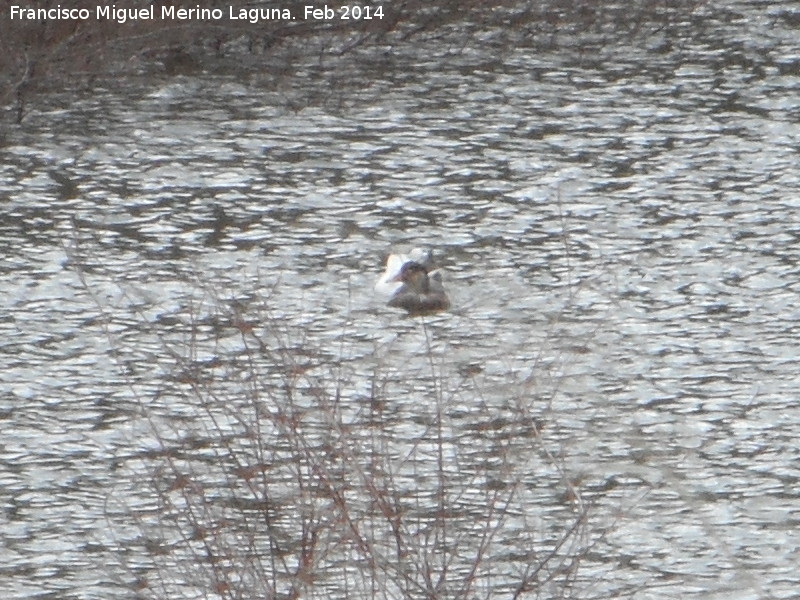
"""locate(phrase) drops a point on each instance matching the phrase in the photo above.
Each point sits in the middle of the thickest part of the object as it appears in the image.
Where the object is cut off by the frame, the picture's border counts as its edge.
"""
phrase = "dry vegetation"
(41, 56)
(268, 465)
(287, 480)
(38, 56)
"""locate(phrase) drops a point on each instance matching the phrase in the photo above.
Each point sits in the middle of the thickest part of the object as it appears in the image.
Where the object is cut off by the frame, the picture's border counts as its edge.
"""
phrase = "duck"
(420, 293)
(388, 283)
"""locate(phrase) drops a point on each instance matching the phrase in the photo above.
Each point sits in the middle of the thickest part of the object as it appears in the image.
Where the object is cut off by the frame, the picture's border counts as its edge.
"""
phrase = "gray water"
(617, 220)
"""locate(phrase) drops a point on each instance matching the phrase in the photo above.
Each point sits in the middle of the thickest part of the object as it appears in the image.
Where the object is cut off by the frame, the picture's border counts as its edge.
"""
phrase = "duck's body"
(420, 292)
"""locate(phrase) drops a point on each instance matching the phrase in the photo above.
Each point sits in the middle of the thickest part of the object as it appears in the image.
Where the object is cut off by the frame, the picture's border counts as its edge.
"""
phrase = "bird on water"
(413, 286)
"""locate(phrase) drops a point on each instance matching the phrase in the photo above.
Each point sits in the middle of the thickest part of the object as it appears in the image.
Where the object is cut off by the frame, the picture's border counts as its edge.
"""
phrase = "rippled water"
(618, 222)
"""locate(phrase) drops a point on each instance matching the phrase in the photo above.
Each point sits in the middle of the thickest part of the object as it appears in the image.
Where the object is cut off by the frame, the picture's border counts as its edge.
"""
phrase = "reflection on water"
(617, 229)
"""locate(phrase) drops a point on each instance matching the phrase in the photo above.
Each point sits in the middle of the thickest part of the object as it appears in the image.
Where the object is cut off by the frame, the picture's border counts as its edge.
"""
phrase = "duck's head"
(412, 273)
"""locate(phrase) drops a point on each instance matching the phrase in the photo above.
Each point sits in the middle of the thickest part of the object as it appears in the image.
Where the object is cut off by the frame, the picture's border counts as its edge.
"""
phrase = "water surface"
(616, 216)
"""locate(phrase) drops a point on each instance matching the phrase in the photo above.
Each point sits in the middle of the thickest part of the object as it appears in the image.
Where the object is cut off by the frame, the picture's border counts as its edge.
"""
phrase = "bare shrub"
(42, 56)
(271, 466)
